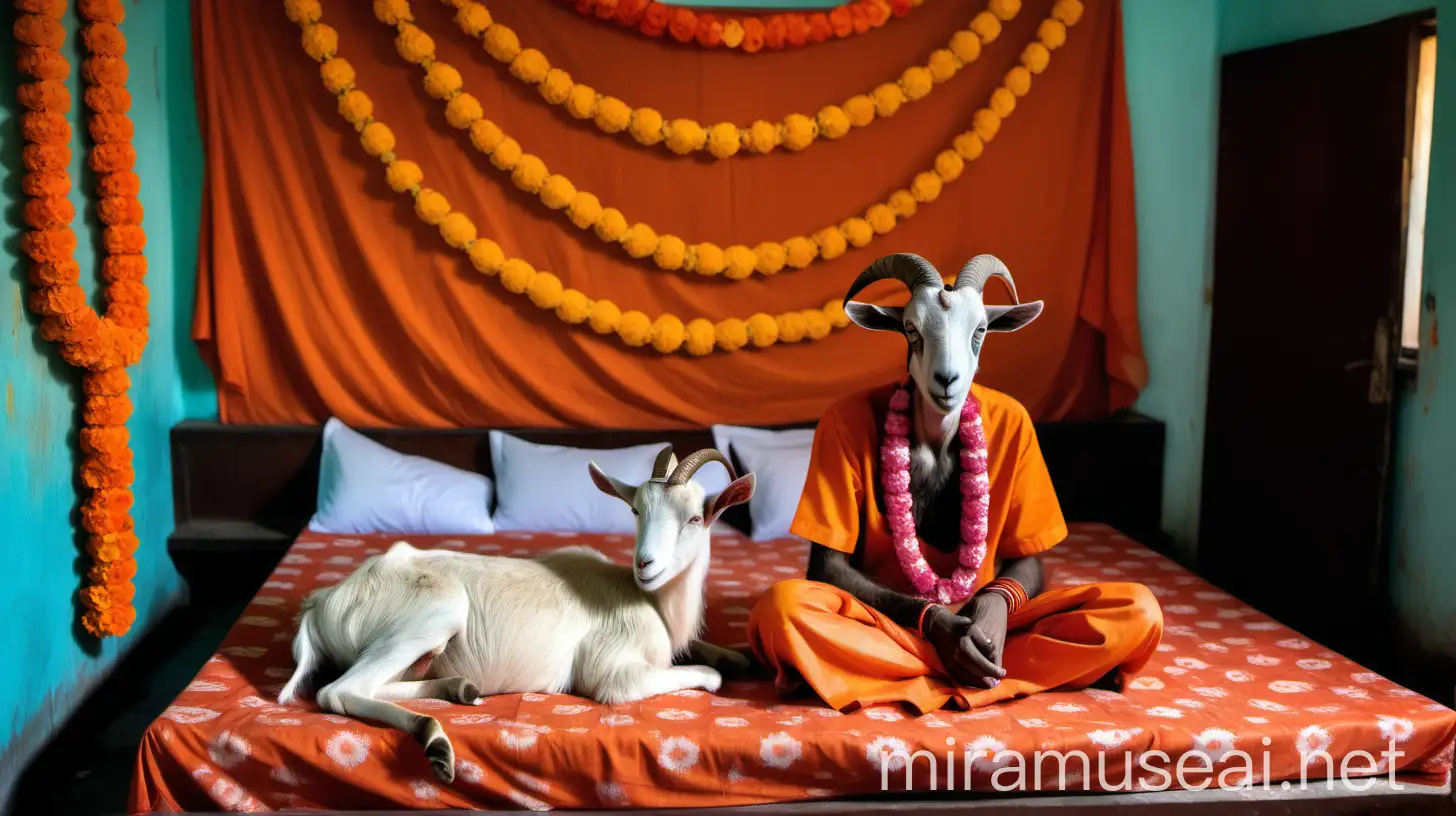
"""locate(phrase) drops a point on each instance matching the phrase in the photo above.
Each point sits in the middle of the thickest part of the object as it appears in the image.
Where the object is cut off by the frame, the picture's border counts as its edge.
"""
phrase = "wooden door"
(1310, 223)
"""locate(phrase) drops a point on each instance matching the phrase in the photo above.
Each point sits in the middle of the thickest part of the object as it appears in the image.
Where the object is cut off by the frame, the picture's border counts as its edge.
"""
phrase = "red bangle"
(1011, 590)
(920, 622)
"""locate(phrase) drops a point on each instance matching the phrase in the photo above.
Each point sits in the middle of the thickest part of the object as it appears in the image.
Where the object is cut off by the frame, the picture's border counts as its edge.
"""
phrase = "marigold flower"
(605, 316)
(986, 26)
(45, 96)
(124, 239)
(414, 45)
(40, 32)
(708, 259)
(109, 383)
(670, 253)
(320, 41)
(473, 18)
(700, 337)
(1052, 34)
(45, 158)
(581, 102)
(723, 140)
(392, 12)
(49, 213)
(799, 131)
(1018, 81)
(792, 327)
(463, 111)
(646, 126)
(1035, 57)
(949, 165)
(880, 218)
(799, 252)
(104, 410)
(57, 300)
(49, 246)
(58, 274)
(584, 209)
(739, 262)
(916, 82)
(403, 175)
(831, 243)
(860, 109)
(611, 225)
(685, 136)
(770, 257)
(107, 11)
(303, 12)
(613, 115)
(45, 128)
(763, 330)
(755, 35)
(530, 173)
(502, 43)
(635, 329)
(124, 267)
(683, 25)
(45, 183)
(457, 230)
(986, 124)
(857, 232)
(925, 187)
(441, 80)
(816, 325)
(111, 127)
(486, 135)
(730, 334)
(1068, 11)
(42, 63)
(639, 241)
(574, 307)
(668, 333)
(337, 74)
(108, 99)
(486, 256)
(431, 206)
(834, 311)
(516, 275)
(762, 137)
(545, 290)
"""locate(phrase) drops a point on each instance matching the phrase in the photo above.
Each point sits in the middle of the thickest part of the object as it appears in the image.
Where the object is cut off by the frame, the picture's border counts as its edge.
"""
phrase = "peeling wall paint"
(37, 436)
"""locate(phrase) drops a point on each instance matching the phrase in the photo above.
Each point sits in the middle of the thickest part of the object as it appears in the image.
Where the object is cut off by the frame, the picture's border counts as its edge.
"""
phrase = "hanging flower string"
(669, 252)
(748, 34)
(103, 346)
(665, 333)
(900, 506)
(795, 132)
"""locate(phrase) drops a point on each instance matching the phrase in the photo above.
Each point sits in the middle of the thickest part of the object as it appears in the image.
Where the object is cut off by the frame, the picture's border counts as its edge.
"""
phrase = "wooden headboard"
(243, 493)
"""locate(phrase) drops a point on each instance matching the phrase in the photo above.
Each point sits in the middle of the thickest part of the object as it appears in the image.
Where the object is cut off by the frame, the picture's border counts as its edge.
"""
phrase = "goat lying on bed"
(412, 624)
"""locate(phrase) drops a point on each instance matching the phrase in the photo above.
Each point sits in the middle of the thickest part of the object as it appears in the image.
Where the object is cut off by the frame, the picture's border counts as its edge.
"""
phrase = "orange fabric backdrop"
(321, 293)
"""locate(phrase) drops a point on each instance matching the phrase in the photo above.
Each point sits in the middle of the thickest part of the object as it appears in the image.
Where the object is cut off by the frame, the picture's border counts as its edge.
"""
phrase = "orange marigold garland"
(748, 34)
(101, 345)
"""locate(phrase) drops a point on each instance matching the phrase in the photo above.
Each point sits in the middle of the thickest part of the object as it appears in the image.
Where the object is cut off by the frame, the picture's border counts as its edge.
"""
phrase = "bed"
(1225, 679)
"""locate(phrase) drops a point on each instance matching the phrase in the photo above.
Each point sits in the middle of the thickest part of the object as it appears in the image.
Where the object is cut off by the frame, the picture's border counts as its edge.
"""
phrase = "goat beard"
(931, 467)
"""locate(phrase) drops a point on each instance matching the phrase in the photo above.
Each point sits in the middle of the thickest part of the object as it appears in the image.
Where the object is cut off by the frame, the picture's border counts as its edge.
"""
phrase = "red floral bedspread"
(1226, 681)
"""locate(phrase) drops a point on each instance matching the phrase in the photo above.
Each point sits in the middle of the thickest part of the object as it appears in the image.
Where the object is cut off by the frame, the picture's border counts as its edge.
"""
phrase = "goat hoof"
(442, 759)
(467, 694)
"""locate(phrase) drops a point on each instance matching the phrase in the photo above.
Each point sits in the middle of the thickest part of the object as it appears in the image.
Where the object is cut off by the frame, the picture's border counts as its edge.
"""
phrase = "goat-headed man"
(927, 504)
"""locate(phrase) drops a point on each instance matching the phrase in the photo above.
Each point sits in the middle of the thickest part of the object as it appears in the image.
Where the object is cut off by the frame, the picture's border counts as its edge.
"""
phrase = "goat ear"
(1011, 318)
(876, 318)
(738, 491)
(610, 486)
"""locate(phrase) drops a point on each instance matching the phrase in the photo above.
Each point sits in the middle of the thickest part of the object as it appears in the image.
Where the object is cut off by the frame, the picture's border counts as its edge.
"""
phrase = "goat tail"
(308, 659)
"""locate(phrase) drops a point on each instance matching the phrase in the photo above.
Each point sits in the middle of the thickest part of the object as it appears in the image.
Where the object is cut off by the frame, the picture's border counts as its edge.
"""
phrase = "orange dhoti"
(852, 655)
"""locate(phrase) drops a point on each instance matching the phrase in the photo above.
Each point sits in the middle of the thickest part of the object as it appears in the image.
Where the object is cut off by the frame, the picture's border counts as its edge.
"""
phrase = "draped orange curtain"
(322, 294)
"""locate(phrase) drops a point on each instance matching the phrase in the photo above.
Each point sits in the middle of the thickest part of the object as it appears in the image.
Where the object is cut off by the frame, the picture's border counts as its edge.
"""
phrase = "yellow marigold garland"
(101, 345)
(665, 333)
(684, 137)
(464, 112)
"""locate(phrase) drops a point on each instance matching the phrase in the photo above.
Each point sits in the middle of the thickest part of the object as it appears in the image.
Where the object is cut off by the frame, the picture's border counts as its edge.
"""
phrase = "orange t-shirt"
(842, 506)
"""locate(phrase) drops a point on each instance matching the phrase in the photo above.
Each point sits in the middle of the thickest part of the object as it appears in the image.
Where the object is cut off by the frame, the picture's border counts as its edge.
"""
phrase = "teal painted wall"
(1171, 53)
(50, 666)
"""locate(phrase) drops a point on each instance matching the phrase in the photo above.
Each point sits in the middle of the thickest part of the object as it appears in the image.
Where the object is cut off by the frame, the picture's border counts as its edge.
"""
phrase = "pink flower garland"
(900, 507)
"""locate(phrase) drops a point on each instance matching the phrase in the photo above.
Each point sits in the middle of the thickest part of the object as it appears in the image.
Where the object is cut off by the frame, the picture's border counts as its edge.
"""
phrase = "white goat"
(412, 623)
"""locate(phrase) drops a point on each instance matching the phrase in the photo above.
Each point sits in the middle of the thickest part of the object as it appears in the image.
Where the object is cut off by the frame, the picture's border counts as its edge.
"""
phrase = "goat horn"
(911, 270)
(664, 464)
(691, 463)
(981, 269)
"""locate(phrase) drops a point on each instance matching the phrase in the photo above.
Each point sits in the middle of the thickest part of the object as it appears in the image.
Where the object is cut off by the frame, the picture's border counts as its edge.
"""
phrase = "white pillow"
(780, 461)
(365, 487)
(547, 487)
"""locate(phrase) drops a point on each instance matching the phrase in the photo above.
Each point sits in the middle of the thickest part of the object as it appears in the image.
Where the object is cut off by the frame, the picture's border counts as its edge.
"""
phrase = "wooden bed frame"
(243, 493)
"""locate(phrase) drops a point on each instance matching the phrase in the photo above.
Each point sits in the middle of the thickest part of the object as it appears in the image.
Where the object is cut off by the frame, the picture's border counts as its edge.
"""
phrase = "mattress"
(1227, 682)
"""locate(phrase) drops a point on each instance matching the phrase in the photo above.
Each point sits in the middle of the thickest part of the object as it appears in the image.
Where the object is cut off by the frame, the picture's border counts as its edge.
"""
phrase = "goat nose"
(644, 563)
(945, 379)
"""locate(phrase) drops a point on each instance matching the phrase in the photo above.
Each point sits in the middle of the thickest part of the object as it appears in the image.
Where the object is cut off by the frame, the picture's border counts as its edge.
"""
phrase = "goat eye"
(695, 520)
(635, 513)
